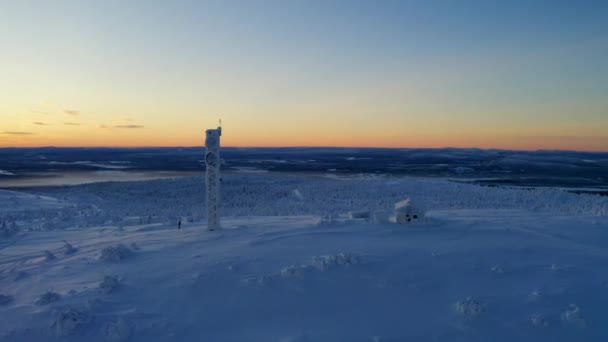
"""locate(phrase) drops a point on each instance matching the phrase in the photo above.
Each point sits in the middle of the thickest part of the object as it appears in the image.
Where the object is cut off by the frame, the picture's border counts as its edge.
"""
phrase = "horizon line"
(320, 147)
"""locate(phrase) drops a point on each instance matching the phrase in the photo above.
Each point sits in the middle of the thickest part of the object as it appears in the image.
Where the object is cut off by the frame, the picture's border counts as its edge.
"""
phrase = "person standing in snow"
(179, 224)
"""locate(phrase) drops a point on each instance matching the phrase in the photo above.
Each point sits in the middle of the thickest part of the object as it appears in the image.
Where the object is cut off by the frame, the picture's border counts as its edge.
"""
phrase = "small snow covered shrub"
(7, 230)
(115, 253)
(326, 262)
(498, 270)
(469, 307)
(69, 249)
(573, 316)
(47, 298)
(117, 331)
(261, 281)
(539, 321)
(292, 271)
(109, 284)
(70, 320)
(5, 299)
(48, 256)
(298, 271)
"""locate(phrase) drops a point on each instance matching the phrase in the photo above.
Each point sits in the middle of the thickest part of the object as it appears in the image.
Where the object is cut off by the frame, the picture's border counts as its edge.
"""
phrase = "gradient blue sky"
(491, 74)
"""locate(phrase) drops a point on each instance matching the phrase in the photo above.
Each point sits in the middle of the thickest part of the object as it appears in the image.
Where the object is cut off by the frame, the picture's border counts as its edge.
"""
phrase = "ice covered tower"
(212, 162)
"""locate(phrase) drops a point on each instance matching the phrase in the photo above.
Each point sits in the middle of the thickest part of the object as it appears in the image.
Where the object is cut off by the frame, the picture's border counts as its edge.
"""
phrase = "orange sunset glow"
(324, 80)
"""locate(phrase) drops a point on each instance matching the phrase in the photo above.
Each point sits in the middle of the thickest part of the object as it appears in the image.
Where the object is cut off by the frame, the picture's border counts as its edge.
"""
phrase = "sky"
(488, 73)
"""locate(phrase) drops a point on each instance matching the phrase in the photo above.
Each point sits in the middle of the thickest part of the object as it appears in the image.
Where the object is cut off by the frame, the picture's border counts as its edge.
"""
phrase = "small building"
(405, 212)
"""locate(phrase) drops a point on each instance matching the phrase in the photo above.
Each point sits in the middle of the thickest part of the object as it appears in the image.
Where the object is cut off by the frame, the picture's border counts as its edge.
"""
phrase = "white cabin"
(405, 212)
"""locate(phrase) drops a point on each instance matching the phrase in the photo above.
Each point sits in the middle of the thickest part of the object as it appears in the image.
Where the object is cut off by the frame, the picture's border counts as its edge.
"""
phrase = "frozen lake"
(85, 177)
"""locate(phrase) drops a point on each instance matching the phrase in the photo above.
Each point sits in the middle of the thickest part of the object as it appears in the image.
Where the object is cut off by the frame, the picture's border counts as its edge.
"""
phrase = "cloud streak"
(129, 126)
(71, 112)
(16, 133)
(71, 123)
(41, 124)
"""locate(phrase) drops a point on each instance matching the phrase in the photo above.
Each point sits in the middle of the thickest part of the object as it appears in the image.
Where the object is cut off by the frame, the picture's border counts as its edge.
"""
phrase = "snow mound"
(539, 321)
(535, 295)
(70, 320)
(47, 298)
(5, 299)
(573, 315)
(469, 307)
(498, 270)
(320, 263)
(327, 262)
(297, 338)
(298, 194)
(109, 284)
(115, 253)
(117, 331)
(328, 222)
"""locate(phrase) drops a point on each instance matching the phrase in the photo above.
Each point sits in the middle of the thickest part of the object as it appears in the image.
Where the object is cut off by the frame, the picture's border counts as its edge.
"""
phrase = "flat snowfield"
(463, 274)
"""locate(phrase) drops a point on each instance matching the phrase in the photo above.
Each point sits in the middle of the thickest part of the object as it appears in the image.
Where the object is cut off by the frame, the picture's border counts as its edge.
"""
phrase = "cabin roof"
(403, 204)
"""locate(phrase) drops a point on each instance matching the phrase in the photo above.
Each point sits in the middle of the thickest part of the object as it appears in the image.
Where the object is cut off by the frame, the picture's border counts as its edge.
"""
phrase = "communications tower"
(212, 177)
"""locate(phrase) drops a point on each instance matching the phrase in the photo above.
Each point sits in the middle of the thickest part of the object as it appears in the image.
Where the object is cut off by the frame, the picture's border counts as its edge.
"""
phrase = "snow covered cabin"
(405, 212)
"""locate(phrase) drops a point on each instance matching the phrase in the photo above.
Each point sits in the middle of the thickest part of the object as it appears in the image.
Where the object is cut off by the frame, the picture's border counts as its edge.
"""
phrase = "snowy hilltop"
(106, 262)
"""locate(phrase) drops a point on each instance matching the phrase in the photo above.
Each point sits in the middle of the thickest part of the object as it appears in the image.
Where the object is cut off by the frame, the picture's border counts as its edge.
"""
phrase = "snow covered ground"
(488, 264)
